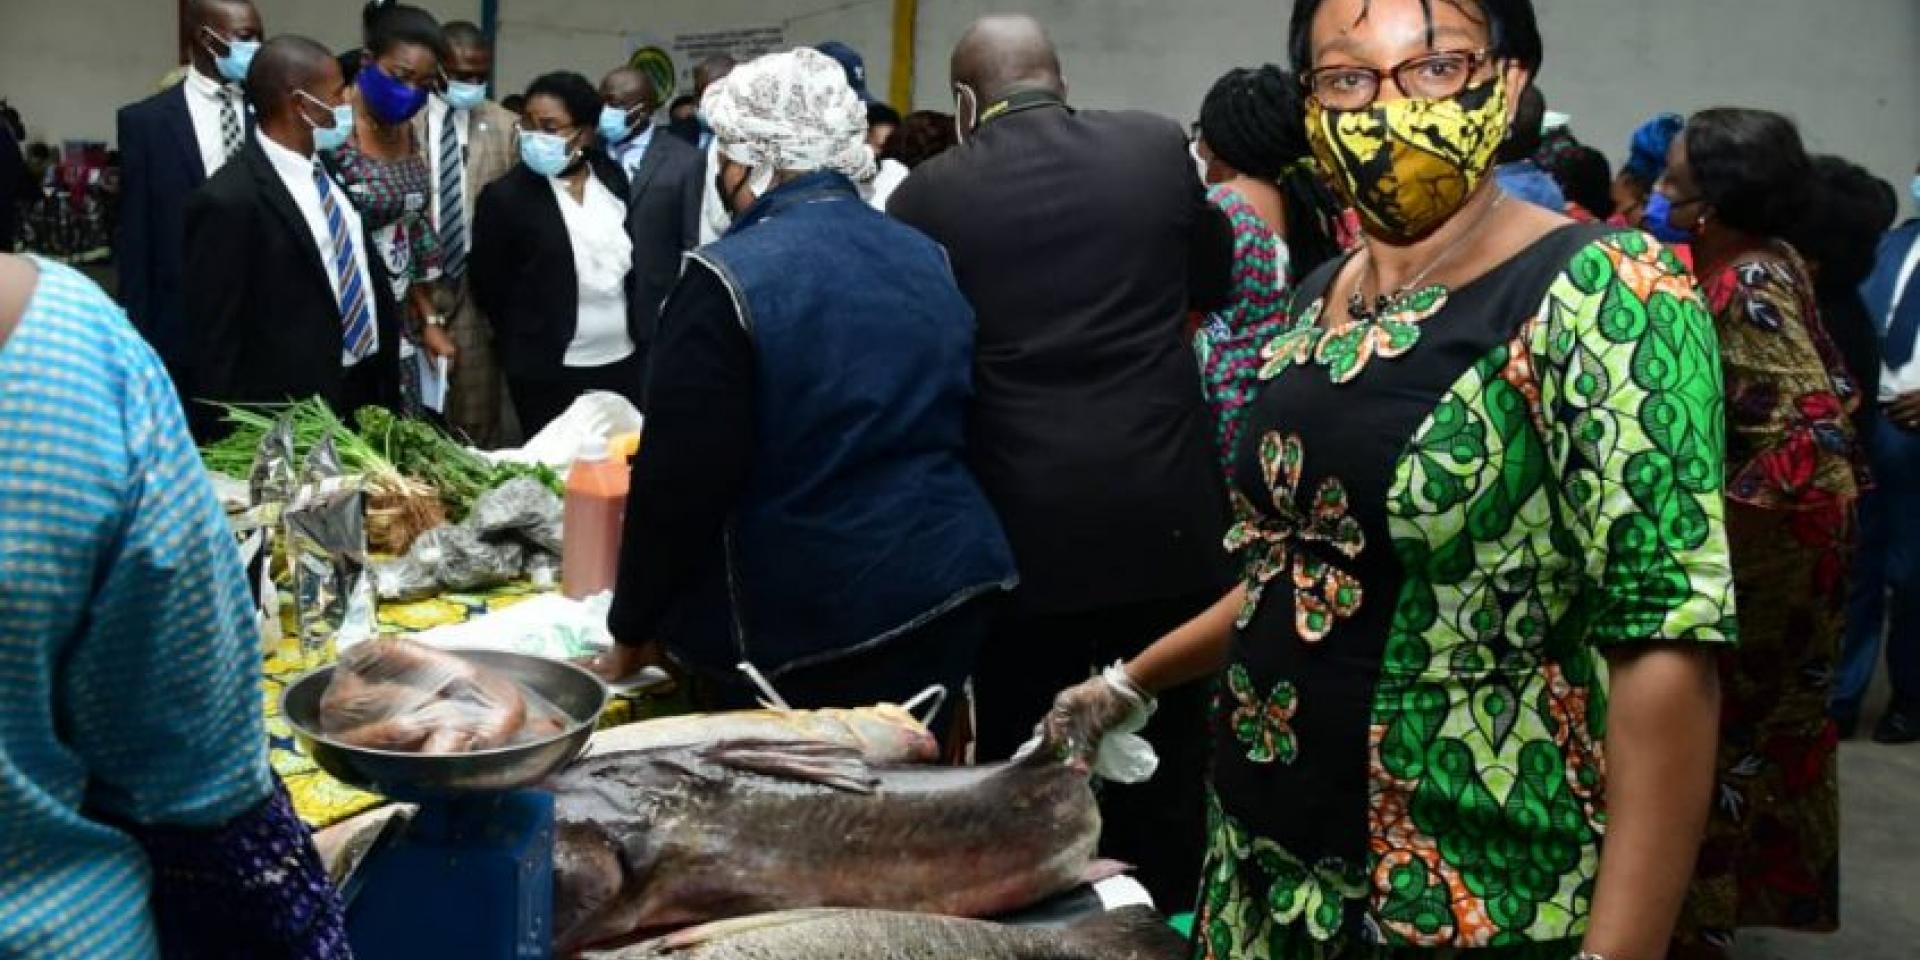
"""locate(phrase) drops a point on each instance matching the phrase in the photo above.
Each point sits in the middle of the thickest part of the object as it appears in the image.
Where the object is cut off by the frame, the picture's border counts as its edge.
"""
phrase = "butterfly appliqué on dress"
(1323, 593)
(1345, 348)
(1264, 727)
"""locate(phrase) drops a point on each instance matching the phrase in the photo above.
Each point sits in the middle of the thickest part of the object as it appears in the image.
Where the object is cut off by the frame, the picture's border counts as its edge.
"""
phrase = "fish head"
(891, 734)
(1067, 736)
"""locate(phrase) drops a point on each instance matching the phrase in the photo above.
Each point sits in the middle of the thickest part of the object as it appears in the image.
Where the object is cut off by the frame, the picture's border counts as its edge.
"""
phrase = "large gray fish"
(1132, 933)
(648, 841)
(883, 733)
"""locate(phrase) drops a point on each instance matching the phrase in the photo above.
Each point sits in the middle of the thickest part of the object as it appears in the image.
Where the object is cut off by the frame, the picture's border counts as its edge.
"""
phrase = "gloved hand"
(1096, 724)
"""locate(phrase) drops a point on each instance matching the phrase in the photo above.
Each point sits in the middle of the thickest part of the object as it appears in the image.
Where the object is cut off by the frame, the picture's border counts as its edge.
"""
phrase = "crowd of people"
(1500, 544)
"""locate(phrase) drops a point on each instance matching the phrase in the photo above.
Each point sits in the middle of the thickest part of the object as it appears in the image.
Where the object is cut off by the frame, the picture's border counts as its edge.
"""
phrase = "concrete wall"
(68, 65)
(1846, 69)
(594, 36)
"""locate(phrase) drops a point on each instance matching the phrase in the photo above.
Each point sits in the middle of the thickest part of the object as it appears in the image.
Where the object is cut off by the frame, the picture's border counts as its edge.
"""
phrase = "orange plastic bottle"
(596, 511)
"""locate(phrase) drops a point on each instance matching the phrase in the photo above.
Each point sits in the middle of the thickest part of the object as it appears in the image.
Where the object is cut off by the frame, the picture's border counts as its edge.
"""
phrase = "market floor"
(1879, 862)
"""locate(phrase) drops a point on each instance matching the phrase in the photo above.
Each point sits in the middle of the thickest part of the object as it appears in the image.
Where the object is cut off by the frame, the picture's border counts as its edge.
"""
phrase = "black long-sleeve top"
(694, 461)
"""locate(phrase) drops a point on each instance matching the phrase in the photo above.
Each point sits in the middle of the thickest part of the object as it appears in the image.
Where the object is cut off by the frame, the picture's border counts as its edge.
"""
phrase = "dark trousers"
(541, 400)
(1158, 827)
(943, 651)
(1885, 606)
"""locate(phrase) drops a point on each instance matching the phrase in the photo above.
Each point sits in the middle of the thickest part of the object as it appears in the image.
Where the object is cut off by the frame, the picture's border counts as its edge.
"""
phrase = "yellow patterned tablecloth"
(323, 801)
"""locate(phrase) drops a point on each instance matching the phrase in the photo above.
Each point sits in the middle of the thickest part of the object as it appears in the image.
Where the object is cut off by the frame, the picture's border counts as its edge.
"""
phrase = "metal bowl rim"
(572, 729)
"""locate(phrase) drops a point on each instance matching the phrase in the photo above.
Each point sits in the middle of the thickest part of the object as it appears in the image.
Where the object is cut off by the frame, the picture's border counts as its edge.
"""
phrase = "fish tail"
(1129, 933)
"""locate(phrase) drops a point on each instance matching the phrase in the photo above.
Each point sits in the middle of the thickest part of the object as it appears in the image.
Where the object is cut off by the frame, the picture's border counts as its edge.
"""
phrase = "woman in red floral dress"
(1736, 179)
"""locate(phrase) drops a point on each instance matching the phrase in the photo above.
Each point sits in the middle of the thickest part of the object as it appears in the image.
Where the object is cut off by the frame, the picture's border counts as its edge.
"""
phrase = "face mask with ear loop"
(758, 181)
(233, 65)
(964, 119)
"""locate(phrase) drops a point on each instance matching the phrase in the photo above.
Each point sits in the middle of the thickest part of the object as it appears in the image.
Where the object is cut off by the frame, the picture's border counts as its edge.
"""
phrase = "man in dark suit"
(1082, 240)
(1885, 606)
(289, 300)
(665, 178)
(170, 143)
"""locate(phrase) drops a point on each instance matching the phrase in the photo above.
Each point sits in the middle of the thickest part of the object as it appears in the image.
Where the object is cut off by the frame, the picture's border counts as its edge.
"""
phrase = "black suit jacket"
(1082, 240)
(159, 167)
(13, 187)
(521, 270)
(266, 324)
(663, 217)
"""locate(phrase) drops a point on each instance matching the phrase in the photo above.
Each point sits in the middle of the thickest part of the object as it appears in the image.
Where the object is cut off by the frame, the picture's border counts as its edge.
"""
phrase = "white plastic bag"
(598, 416)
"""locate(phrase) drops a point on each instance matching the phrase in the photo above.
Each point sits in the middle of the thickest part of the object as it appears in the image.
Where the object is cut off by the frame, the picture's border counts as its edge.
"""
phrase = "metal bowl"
(418, 776)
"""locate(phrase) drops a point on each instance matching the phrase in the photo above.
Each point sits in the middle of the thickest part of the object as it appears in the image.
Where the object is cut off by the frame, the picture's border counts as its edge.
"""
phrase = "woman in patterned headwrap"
(1646, 162)
(1481, 472)
(804, 503)
(1259, 169)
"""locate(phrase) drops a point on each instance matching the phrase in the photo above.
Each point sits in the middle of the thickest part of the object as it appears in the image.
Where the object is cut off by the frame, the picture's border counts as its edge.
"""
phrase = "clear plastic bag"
(449, 558)
(394, 694)
(522, 508)
(326, 544)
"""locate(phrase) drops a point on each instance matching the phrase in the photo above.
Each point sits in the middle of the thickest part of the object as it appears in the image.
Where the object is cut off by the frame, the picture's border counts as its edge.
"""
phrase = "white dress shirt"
(437, 114)
(633, 150)
(1906, 379)
(296, 172)
(602, 258)
(207, 100)
(891, 174)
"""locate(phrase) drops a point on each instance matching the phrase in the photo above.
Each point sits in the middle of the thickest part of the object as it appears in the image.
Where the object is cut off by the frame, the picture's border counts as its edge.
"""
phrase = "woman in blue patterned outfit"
(140, 817)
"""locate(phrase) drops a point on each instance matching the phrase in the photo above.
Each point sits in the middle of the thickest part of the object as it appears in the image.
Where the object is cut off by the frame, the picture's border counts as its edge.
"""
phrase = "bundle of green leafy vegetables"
(389, 451)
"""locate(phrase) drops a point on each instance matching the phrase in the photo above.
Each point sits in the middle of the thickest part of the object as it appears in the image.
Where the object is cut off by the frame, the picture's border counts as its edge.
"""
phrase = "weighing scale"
(470, 875)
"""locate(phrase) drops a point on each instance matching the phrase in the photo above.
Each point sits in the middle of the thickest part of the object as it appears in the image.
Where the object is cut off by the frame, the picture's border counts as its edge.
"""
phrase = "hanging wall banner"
(670, 62)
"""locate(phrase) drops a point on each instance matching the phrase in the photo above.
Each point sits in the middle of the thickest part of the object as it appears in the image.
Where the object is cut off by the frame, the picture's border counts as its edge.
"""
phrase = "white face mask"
(1199, 162)
(961, 120)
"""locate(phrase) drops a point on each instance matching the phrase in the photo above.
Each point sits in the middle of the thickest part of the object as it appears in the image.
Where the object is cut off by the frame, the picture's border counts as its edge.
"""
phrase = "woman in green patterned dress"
(1482, 475)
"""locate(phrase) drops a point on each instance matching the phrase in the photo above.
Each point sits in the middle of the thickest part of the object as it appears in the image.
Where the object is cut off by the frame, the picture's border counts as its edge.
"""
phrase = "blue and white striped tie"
(356, 316)
(453, 198)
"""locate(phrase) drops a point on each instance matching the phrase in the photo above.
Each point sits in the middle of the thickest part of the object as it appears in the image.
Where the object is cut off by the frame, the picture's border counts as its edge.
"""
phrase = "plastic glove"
(1096, 724)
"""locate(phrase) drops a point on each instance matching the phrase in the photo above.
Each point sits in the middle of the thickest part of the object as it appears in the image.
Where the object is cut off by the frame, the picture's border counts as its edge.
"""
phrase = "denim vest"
(861, 520)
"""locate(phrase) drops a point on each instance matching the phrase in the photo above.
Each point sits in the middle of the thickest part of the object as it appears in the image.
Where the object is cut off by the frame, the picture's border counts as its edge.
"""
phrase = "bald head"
(469, 53)
(628, 89)
(1006, 54)
(710, 71)
(463, 33)
(285, 64)
(215, 12)
(212, 23)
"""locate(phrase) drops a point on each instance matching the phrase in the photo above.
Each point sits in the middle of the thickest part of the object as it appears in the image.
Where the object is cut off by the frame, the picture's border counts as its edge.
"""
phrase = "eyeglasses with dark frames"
(1432, 76)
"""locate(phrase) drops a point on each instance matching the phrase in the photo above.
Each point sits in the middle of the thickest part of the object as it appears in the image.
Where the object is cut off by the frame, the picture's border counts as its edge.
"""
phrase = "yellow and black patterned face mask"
(1408, 165)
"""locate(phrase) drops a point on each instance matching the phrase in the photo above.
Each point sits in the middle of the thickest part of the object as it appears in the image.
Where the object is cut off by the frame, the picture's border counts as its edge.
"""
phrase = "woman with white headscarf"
(802, 502)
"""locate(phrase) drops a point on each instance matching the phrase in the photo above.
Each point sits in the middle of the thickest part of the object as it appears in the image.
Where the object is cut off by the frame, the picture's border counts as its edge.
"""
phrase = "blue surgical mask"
(545, 153)
(390, 101)
(465, 96)
(614, 125)
(1916, 189)
(239, 56)
(329, 138)
(1658, 221)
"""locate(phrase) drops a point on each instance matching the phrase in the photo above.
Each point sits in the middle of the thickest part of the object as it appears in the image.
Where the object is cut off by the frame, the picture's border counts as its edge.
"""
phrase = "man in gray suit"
(663, 202)
(468, 142)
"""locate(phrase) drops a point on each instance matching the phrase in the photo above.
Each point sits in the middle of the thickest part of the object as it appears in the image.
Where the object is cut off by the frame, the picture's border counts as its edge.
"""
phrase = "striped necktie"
(453, 198)
(229, 123)
(356, 317)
